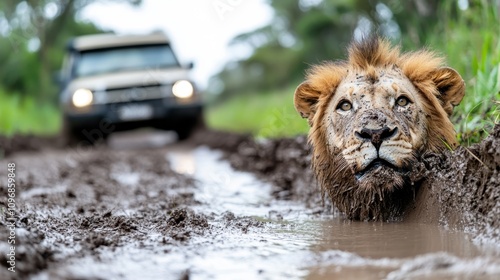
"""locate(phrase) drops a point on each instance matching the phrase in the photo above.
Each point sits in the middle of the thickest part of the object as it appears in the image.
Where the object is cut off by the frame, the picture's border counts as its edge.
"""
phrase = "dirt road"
(144, 207)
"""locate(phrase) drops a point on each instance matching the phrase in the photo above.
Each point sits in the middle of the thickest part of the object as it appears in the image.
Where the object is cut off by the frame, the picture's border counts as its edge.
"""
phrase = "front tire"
(185, 130)
(72, 136)
(69, 135)
(184, 133)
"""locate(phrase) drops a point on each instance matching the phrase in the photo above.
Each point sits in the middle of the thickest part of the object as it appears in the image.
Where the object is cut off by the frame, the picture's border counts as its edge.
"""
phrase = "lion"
(372, 119)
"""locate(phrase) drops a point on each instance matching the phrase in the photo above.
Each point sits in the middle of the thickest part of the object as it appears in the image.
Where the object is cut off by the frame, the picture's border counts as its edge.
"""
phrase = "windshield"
(124, 59)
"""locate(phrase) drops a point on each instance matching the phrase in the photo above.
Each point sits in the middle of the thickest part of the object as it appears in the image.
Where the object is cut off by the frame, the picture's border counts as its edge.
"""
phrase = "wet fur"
(439, 87)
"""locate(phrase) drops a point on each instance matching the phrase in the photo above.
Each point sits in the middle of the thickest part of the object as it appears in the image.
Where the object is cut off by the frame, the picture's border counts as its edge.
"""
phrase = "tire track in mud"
(77, 207)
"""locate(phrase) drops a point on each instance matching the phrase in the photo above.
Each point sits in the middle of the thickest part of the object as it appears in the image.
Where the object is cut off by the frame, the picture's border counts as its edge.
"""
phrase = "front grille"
(132, 94)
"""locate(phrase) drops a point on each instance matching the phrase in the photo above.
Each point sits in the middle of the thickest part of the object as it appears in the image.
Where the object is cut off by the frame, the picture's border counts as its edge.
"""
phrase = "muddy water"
(295, 243)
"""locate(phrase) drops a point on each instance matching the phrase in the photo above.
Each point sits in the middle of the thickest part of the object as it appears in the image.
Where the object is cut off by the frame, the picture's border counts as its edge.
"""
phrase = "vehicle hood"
(128, 79)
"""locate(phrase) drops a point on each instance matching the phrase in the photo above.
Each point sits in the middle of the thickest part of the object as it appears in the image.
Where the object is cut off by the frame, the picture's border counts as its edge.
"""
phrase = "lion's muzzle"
(376, 136)
(378, 146)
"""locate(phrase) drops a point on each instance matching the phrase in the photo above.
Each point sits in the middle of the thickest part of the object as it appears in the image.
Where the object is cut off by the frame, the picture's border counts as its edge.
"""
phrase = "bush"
(25, 115)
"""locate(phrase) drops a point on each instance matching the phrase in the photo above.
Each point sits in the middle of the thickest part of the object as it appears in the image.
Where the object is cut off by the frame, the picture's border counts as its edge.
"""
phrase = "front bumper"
(164, 113)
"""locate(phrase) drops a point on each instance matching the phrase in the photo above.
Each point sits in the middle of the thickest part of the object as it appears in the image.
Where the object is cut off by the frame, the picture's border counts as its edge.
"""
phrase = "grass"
(472, 46)
(480, 108)
(26, 116)
(271, 114)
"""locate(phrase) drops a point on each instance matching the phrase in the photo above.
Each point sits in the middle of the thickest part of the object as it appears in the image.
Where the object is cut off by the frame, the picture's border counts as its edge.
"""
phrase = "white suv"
(112, 83)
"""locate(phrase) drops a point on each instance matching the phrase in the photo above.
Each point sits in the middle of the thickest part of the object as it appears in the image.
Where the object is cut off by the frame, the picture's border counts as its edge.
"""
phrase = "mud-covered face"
(378, 124)
(373, 117)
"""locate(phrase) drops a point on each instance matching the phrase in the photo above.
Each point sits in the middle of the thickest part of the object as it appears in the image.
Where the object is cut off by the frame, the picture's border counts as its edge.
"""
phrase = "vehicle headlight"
(183, 89)
(82, 98)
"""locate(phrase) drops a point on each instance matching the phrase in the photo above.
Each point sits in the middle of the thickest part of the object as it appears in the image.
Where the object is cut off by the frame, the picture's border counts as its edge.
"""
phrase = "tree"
(40, 24)
(308, 32)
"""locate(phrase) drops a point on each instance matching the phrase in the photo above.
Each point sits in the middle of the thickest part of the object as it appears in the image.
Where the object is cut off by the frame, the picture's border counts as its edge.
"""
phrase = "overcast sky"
(200, 30)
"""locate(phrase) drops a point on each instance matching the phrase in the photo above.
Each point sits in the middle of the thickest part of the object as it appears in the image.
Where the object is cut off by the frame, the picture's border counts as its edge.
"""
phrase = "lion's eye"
(345, 106)
(402, 101)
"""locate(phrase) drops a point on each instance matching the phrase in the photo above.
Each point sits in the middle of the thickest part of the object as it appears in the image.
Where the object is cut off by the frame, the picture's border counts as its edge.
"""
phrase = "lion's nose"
(377, 136)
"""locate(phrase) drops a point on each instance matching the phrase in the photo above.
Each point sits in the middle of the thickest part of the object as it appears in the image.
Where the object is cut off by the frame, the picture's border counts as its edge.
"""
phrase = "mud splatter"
(465, 187)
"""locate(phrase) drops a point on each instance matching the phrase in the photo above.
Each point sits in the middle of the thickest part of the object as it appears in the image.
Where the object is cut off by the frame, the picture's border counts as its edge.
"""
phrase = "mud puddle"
(299, 244)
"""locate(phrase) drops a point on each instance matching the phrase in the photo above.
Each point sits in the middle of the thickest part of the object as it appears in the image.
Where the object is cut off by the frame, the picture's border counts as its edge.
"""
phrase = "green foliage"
(469, 39)
(28, 91)
(308, 32)
(270, 114)
(21, 67)
(30, 71)
(25, 115)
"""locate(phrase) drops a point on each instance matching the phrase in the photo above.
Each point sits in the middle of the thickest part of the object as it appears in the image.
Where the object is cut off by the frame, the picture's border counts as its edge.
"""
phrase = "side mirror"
(57, 77)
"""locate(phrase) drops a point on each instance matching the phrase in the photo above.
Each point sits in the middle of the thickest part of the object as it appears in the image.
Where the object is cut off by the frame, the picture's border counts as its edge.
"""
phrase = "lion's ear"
(305, 100)
(451, 87)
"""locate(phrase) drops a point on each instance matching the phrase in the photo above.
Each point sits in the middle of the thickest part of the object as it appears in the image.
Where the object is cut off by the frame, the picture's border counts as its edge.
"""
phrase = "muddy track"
(75, 205)
(283, 162)
(80, 209)
(27, 143)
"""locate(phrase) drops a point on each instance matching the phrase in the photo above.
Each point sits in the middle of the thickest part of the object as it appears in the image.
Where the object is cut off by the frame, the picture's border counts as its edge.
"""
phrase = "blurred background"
(248, 55)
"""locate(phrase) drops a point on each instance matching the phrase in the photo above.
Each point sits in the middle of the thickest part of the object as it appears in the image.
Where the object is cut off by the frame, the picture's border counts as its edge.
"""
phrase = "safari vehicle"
(111, 83)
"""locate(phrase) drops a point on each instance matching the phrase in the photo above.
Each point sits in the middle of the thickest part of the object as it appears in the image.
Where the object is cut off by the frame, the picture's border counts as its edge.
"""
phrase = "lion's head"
(372, 118)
